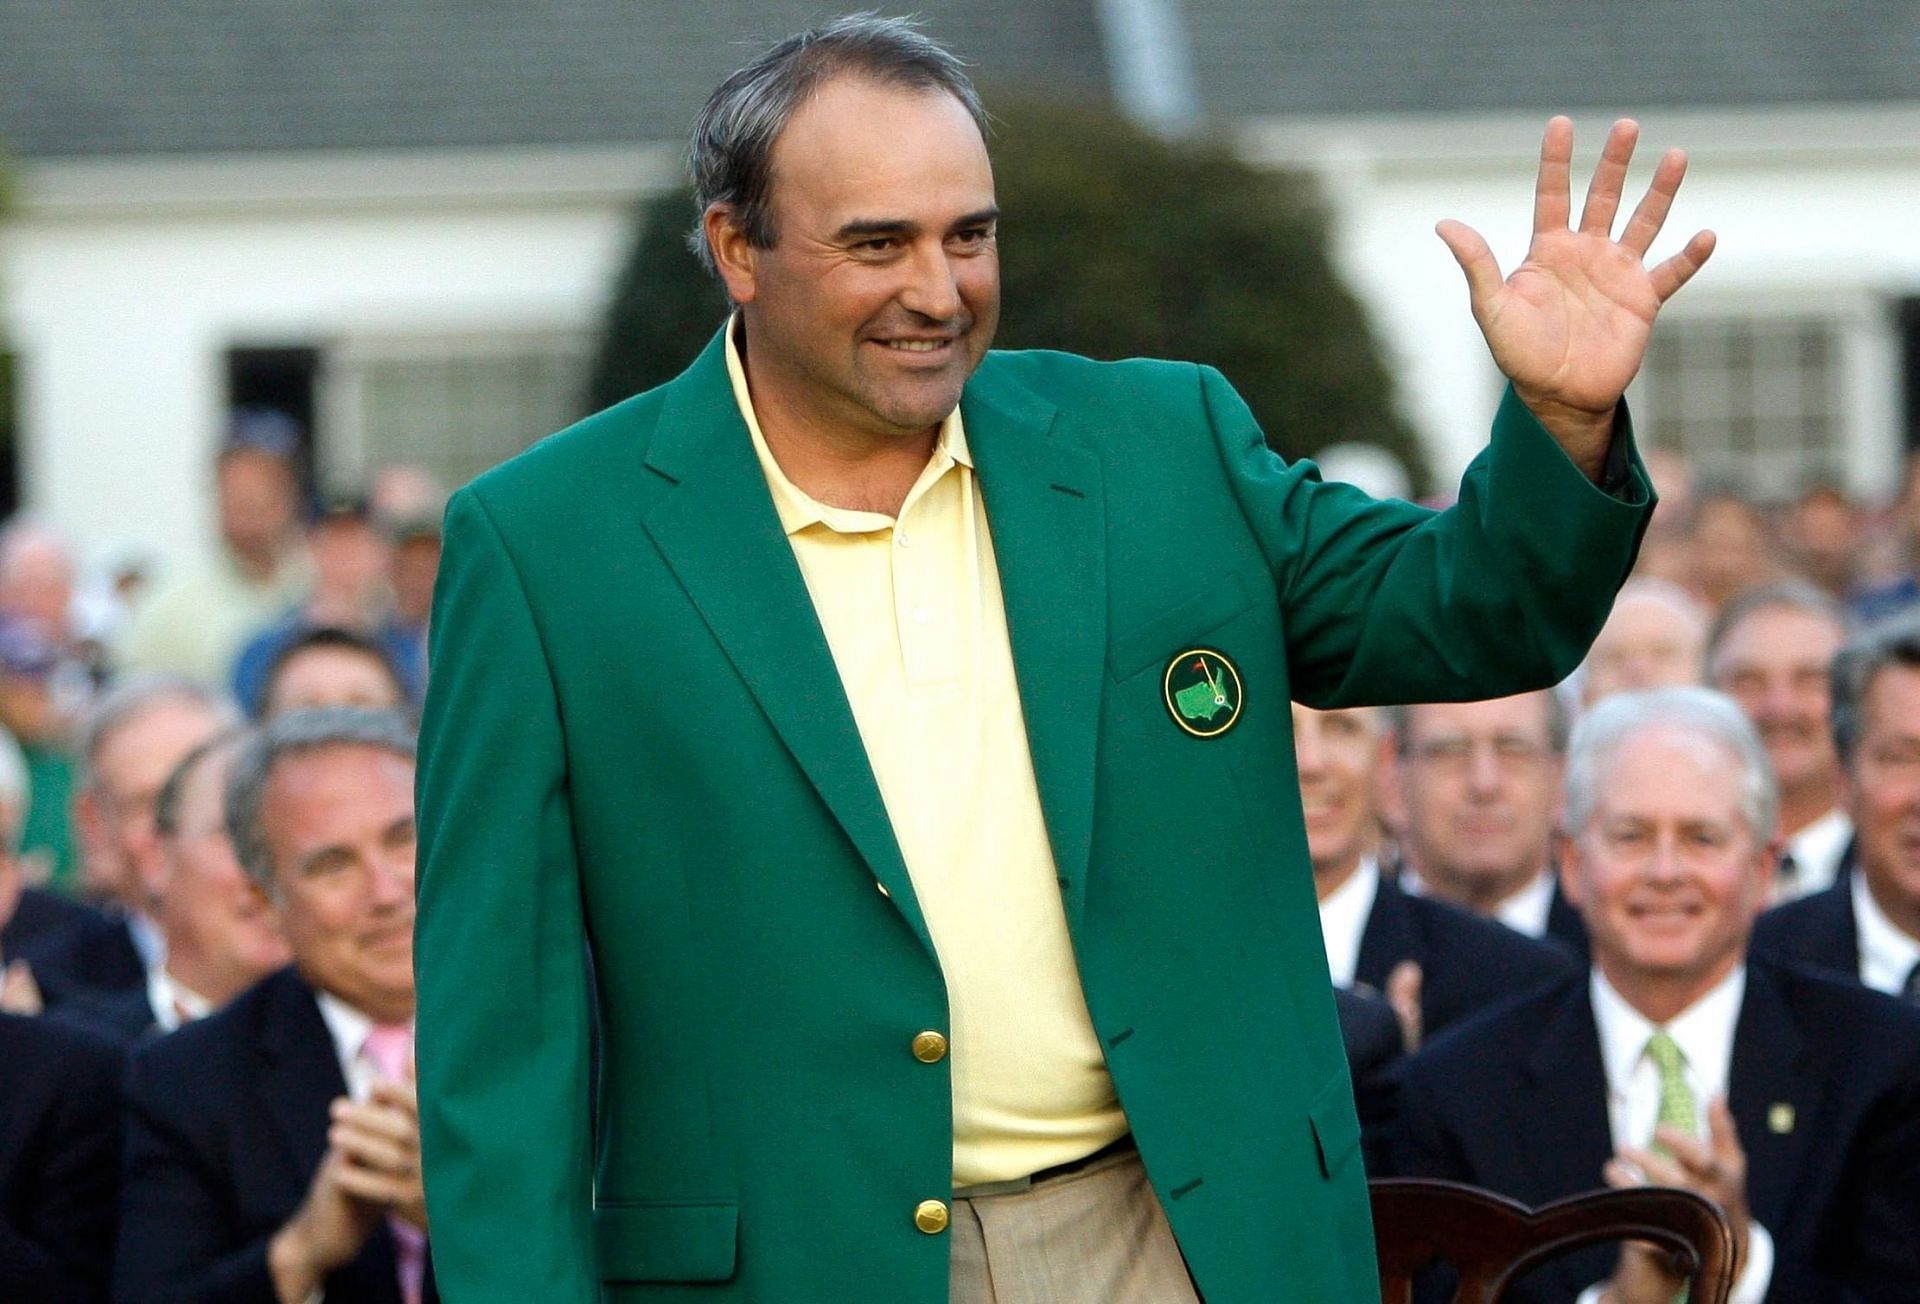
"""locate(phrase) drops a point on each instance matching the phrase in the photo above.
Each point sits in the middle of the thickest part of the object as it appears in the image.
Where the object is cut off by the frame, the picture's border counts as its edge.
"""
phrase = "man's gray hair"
(1700, 712)
(126, 702)
(1891, 642)
(731, 157)
(1796, 594)
(292, 734)
(1559, 722)
(16, 791)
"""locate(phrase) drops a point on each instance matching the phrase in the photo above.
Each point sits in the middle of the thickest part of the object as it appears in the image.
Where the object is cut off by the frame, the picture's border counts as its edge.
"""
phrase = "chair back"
(1491, 1240)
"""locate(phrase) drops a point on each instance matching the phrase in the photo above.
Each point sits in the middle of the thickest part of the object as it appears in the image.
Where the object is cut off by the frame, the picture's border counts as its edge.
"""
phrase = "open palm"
(1569, 327)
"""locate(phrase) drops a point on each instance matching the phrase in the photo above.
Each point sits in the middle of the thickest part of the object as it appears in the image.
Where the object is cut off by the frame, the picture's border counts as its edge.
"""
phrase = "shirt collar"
(797, 508)
(1703, 1031)
(1887, 955)
(1343, 918)
(1524, 912)
(348, 1027)
(1816, 850)
(171, 999)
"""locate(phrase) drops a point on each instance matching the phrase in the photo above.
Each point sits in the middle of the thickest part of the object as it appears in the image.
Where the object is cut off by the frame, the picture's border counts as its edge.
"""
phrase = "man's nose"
(393, 880)
(932, 292)
(1483, 768)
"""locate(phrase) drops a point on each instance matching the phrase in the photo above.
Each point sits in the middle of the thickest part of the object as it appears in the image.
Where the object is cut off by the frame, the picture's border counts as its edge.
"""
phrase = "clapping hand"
(1569, 327)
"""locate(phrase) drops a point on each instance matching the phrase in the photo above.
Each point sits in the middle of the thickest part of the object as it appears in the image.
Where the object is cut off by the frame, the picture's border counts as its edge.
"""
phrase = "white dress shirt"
(1704, 1033)
(1343, 918)
(1887, 954)
(1524, 912)
(171, 999)
(1816, 852)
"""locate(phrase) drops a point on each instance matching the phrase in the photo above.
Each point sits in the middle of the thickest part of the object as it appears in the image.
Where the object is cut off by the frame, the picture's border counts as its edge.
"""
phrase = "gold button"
(883, 890)
(929, 1047)
(931, 1217)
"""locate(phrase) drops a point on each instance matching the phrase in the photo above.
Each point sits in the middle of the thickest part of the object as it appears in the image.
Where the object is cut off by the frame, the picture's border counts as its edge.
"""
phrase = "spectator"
(1730, 548)
(1654, 637)
(1771, 649)
(221, 935)
(137, 735)
(1434, 962)
(328, 666)
(33, 712)
(1789, 1099)
(1868, 926)
(1476, 798)
(59, 1162)
(273, 1148)
(351, 557)
(196, 620)
(1823, 537)
(1666, 550)
(33, 922)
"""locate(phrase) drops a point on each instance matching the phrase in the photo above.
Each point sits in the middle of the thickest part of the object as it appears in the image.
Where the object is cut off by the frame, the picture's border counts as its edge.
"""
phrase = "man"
(1476, 798)
(220, 934)
(59, 1161)
(1790, 1100)
(135, 737)
(330, 666)
(1771, 650)
(1435, 962)
(1654, 637)
(953, 863)
(197, 619)
(33, 921)
(272, 1148)
(1867, 925)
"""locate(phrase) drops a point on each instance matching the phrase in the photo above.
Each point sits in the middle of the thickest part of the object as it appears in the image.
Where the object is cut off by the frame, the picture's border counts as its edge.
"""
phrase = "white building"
(398, 221)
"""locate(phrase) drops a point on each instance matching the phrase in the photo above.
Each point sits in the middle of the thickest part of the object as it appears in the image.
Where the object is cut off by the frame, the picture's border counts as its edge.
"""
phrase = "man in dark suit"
(59, 1162)
(273, 1148)
(1435, 962)
(220, 932)
(1375, 1047)
(1867, 925)
(1791, 1100)
(137, 734)
(1475, 799)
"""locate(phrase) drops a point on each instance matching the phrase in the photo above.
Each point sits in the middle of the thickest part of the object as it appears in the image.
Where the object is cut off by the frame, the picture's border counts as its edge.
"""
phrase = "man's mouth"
(918, 346)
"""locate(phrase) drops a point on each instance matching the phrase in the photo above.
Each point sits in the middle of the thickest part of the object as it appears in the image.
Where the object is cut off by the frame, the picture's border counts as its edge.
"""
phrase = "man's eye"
(878, 245)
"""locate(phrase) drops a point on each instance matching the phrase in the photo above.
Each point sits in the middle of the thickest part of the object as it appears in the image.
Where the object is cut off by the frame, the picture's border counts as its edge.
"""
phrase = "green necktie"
(1677, 1109)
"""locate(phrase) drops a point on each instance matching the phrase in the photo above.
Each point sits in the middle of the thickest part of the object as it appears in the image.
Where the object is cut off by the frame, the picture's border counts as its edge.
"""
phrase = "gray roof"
(105, 77)
(1254, 57)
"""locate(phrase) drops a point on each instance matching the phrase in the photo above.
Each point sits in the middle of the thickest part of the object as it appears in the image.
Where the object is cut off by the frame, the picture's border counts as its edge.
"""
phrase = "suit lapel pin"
(1202, 691)
(1780, 1118)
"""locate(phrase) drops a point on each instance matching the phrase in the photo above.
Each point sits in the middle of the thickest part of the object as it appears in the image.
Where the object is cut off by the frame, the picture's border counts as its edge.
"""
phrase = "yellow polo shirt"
(911, 609)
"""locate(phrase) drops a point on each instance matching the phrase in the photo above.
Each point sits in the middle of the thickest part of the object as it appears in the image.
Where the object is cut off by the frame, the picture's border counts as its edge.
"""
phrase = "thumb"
(1403, 994)
(1470, 250)
(1722, 1133)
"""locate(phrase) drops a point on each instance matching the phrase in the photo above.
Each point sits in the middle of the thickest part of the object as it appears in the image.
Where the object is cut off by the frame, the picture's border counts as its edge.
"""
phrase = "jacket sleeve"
(1385, 601)
(499, 947)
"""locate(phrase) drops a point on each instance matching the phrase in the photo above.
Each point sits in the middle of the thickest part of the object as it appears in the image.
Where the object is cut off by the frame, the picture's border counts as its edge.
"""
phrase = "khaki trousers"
(1093, 1236)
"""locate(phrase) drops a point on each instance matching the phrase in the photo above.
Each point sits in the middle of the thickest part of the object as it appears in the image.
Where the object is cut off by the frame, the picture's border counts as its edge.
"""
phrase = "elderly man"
(1435, 962)
(221, 936)
(136, 736)
(272, 1148)
(1654, 637)
(1867, 926)
(1475, 796)
(1791, 1100)
(1771, 649)
(905, 723)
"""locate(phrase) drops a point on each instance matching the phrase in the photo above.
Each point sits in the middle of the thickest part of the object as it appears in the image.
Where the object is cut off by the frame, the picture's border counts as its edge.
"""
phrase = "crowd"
(1659, 924)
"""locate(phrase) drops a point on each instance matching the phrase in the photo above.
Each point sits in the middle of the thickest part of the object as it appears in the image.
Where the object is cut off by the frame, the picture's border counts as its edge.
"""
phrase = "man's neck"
(1660, 998)
(1330, 877)
(1902, 913)
(1803, 805)
(203, 974)
(1482, 895)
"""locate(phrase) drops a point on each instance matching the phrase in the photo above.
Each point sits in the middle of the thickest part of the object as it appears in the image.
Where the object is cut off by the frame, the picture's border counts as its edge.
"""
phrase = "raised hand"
(1569, 327)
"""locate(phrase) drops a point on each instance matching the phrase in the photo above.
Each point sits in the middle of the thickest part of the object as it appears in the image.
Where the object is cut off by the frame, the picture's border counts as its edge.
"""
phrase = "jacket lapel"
(1774, 1094)
(1047, 517)
(1568, 1137)
(300, 1076)
(717, 529)
(1387, 937)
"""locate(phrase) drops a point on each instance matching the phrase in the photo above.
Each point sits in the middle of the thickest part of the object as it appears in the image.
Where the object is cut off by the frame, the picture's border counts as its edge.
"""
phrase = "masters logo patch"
(1203, 693)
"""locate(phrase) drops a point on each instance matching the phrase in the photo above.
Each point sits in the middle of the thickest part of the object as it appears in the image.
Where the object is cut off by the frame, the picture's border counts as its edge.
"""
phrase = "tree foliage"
(1113, 244)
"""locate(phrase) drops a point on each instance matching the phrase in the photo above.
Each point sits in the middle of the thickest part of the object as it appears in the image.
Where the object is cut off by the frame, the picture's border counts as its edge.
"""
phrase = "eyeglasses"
(1509, 752)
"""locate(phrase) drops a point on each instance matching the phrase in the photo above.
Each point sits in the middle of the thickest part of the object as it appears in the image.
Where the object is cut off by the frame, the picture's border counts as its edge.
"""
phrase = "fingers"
(403, 1096)
(1551, 195)
(376, 1188)
(389, 1123)
(1723, 1135)
(1669, 276)
(1654, 1169)
(1403, 994)
(1469, 249)
(1651, 214)
(1609, 178)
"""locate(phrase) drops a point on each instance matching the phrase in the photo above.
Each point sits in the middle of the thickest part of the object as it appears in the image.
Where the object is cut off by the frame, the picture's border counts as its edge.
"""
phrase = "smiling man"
(905, 723)
(1791, 1100)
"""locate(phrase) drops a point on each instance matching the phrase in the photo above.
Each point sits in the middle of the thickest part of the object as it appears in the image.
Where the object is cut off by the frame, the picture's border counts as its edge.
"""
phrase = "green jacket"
(635, 734)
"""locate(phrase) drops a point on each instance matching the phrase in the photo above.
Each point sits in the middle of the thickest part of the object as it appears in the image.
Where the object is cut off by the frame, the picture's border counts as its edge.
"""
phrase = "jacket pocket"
(687, 1241)
(1152, 642)
(1336, 1129)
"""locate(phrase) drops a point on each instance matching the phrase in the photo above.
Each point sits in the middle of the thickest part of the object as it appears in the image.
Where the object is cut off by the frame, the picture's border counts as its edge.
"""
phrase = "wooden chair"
(1491, 1240)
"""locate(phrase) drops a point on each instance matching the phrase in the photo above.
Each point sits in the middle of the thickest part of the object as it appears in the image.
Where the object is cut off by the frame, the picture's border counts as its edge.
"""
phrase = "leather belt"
(1014, 1186)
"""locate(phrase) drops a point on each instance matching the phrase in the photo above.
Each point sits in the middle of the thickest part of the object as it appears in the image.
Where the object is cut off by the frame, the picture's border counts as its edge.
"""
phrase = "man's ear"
(734, 256)
(1569, 857)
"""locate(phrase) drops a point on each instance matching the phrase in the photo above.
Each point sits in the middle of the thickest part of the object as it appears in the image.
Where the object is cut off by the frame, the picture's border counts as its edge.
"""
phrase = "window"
(455, 405)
